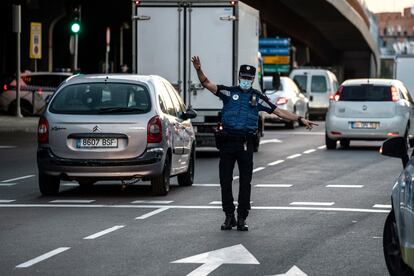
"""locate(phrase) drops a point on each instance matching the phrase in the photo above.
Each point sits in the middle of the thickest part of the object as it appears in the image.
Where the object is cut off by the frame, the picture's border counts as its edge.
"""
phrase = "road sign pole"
(108, 41)
(75, 53)
(17, 28)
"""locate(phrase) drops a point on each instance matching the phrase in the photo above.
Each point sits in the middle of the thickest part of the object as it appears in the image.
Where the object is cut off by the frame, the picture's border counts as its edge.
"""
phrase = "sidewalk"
(14, 124)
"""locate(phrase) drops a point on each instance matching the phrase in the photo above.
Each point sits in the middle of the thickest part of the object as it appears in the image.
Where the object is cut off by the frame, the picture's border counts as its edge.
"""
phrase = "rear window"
(369, 93)
(301, 81)
(318, 84)
(101, 98)
(43, 80)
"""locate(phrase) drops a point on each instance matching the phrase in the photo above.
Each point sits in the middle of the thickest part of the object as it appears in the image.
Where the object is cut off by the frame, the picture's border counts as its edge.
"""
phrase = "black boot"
(229, 223)
(241, 224)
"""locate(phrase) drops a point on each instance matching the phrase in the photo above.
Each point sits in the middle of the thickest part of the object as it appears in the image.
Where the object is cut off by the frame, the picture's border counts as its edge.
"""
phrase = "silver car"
(288, 97)
(398, 236)
(369, 109)
(115, 127)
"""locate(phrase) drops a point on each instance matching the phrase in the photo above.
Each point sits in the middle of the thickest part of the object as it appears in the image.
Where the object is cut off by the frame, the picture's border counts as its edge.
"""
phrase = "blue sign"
(274, 42)
(274, 51)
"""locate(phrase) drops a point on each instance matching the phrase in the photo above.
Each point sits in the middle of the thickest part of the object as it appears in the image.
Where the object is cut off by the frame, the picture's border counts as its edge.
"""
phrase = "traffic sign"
(276, 68)
(35, 40)
(274, 51)
(274, 42)
(276, 59)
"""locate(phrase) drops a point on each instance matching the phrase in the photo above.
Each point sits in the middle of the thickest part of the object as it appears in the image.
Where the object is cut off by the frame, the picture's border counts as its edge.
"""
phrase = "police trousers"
(232, 151)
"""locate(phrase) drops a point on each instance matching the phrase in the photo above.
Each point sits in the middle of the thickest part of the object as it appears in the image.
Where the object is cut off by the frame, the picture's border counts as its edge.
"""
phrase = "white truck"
(224, 34)
(403, 71)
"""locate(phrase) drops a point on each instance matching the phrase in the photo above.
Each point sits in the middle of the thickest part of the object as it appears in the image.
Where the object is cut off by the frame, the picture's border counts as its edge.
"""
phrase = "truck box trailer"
(403, 71)
(225, 34)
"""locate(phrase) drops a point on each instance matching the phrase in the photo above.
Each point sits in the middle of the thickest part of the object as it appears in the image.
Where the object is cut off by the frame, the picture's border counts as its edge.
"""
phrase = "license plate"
(97, 143)
(366, 125)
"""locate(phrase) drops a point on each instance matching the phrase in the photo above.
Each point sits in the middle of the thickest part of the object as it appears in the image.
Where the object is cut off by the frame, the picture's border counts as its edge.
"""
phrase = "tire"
(306, 117)
(86, 184)
(345, 143)
(330, 143)
(48, 185)
(161, 184)
(407, 138)
(26, 108)
(187, 178)
(290, 125)
(392, 251)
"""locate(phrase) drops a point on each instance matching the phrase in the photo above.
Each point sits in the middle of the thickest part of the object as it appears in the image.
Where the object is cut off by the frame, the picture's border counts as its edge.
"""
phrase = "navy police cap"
(247, 71)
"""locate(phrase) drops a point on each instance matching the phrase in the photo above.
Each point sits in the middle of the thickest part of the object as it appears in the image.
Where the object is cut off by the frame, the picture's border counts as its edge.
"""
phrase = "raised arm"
(293, 117)
(205, 82)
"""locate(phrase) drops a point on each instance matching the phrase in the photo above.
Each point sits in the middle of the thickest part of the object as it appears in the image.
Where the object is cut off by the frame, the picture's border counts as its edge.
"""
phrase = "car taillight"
(281, 101)
(5, 87)
(43, 131)
(337, 96)
(394, 94)
(154, 130)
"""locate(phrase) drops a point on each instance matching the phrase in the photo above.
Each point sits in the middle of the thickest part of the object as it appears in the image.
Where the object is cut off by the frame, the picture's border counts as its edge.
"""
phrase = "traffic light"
(75, 24)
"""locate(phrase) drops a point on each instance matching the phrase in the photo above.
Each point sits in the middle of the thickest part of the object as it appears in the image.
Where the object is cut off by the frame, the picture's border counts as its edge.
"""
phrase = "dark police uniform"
(240, 116)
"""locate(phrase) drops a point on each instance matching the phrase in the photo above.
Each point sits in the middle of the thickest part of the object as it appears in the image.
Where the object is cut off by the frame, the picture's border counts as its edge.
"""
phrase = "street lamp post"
(124, 26)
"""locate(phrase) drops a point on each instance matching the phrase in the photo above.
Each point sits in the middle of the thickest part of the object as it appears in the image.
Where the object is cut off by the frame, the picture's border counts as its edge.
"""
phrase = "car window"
(100, 98)
(167, 101)
(301, 81)
(406, 94)
(318, 84)
(374, 93)
(178, 104)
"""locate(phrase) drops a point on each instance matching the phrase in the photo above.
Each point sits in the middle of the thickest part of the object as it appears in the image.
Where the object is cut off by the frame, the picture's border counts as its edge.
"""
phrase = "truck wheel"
(330, 143)
(392, 251)
(345, 143)
(161, 184)
(48, 185)
(187, 178)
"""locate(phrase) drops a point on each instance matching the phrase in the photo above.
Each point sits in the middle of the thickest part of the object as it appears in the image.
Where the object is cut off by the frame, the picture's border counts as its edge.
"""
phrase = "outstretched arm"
(205, 82)
(293, 117)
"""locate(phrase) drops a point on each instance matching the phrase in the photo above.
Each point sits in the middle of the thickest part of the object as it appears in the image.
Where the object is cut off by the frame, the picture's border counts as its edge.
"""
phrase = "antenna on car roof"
(106, 79)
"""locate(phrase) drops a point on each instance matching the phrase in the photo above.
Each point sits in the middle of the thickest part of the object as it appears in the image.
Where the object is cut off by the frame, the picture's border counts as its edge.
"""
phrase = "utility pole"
(17, 28)
(75, 27)
(124, 26)
(108, 48)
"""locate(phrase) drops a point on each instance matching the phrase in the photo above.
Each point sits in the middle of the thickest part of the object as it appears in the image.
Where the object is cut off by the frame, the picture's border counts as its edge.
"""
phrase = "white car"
(318, 85)
(369, 109)
(288, 97)
(34, 89)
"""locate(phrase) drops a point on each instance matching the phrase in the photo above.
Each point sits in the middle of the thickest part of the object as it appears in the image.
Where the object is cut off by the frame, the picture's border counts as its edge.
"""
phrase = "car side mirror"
(396, 147)
(189, 114)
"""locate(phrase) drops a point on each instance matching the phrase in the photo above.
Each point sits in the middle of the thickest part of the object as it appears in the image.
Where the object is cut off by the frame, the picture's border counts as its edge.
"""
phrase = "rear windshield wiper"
(119, 109)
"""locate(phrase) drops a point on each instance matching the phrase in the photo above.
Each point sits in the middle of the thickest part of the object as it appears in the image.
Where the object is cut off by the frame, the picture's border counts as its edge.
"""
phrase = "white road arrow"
(294, 271)
(236, 254)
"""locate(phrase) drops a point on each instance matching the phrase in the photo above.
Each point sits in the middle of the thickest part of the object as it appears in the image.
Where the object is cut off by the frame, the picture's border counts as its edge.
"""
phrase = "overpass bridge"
(328, 33)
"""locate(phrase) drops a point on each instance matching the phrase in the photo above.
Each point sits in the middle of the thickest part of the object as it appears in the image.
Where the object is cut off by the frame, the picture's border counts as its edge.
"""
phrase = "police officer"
(240, 116)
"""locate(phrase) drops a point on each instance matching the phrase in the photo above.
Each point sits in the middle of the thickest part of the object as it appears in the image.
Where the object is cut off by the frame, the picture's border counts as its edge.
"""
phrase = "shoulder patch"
(225, 92)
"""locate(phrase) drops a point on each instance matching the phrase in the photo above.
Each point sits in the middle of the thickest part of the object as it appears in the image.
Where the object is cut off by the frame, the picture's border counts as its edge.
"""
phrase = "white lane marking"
(104, 232)
(309, 151)
(258, 169)
(8, 147)
(322, 147)
(313, 203)
(218, 202)
(70, 184)
(344, 186)
(294, 156)
(383, 206)
(206, 185)
(270, 141)
(43, 257)
(150, 214)
(152, 201)
(7, 184)
(273, 185)
(72, 201)
(7, 200)
(17, 178)
(275, 162)
(196, 207)
(301, 133)
(377, 237)
(236, 177)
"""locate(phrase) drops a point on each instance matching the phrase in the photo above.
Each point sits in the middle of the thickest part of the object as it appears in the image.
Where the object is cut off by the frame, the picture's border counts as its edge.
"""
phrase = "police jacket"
(240, 113)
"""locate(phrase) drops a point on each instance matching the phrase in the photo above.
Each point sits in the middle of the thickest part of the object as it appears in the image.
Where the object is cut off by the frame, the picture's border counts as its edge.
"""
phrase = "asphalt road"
(303, 220)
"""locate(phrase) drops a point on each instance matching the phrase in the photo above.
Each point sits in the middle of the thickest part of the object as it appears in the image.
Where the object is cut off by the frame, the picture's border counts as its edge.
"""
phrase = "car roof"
(385, 82)
(310, 70)
(111, 77)
(46, 73)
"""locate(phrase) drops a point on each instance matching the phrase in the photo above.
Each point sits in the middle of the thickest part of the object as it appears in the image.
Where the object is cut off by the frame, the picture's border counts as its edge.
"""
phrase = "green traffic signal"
(75, 27)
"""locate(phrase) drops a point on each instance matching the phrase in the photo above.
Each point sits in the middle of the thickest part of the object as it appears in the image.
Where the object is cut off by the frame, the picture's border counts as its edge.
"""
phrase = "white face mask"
(245, 84)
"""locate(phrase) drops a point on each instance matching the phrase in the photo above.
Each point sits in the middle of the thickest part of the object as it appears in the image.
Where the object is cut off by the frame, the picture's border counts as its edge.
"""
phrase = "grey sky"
(388, 5)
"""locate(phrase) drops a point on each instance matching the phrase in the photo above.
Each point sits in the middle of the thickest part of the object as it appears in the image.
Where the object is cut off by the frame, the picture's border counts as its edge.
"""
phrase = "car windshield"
(301, 81)
(101, 98)
(369, 93)
(318, 84)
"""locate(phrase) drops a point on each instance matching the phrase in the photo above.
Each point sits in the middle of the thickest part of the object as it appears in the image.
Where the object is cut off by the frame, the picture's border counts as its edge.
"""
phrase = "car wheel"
(187, 178)
(345, 143)
(86, 184)
(306, 117)
(48, 185)
(26, 109)
(161, 184)
(330, 143)
(290, 125)
(407, 138)
(392, 251)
